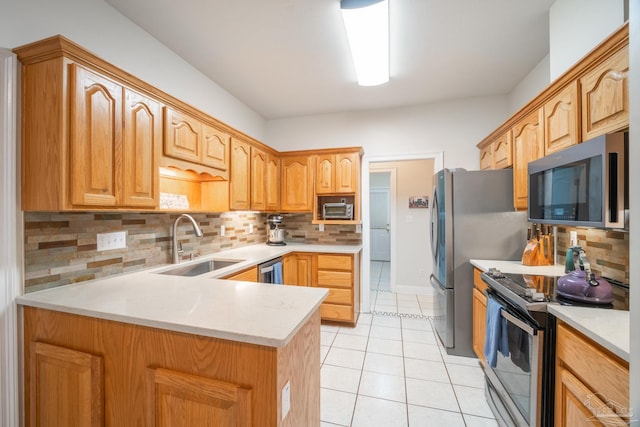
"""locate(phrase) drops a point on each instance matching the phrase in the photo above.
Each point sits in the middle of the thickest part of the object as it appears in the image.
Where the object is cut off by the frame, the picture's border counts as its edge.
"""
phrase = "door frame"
(11, 285)
(365, 282)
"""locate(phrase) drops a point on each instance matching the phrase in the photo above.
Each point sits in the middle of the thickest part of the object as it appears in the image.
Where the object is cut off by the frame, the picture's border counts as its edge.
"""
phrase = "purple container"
(575, 286)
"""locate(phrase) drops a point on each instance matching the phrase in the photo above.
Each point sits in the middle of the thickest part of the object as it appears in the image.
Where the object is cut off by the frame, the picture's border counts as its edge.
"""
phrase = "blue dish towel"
(496, 338)
(277, 273)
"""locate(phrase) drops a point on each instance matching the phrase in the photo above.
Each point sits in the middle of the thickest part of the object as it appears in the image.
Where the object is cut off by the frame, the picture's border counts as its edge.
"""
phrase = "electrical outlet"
(250, 228)
(222, 231)
(286, 399)
(359, 228)
(408, 218)
(110, 241)
(320, 227)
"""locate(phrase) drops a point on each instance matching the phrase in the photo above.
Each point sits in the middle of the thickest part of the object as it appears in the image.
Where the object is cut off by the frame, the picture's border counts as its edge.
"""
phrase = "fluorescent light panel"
(368, 33)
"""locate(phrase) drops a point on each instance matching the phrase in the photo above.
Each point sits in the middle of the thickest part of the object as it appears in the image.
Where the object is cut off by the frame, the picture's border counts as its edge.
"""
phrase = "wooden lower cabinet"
(592, 384)
(83, 371)
(340, 273)
(298, 269)
(479, 314)
(248, 275)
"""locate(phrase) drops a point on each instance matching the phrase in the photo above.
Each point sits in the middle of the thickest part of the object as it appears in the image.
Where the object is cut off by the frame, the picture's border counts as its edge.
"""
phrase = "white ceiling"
(286, 58)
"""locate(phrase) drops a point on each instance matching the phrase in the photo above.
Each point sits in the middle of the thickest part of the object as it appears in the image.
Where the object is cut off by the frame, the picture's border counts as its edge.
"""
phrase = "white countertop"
(517, 267)
(254, 313)
(609, 328)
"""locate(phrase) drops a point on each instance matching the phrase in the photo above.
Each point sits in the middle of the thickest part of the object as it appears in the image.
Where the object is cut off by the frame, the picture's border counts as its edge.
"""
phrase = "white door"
(380, 226)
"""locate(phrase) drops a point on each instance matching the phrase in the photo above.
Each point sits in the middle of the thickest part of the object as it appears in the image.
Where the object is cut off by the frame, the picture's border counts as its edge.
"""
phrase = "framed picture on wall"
(418, 202)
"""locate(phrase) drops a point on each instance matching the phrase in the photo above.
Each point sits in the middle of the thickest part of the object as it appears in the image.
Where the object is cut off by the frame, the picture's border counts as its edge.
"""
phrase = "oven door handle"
(267, 269)
(519, 323)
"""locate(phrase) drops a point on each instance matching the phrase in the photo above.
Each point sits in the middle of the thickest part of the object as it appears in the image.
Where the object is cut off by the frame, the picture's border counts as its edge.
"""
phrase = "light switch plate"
(222, 231)
(359, 228)
(320, 227)
(250, 228)
(110, 241)
(286, 399)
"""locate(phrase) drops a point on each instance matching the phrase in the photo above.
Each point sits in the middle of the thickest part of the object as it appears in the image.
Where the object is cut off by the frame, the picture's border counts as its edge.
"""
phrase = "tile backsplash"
(60, 248)
(606, 250)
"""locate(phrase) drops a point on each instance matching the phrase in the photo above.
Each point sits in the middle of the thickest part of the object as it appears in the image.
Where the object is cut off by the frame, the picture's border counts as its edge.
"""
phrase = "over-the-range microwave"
(583, 185)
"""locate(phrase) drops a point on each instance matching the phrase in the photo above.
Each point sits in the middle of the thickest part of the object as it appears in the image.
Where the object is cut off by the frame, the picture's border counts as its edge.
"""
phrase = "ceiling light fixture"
(367, 26)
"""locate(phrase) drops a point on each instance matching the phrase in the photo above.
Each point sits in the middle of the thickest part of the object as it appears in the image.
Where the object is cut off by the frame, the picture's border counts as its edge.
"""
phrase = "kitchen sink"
(201, 267)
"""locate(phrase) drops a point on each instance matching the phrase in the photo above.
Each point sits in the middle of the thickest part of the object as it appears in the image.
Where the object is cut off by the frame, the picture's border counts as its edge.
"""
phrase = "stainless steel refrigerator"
(472, 216)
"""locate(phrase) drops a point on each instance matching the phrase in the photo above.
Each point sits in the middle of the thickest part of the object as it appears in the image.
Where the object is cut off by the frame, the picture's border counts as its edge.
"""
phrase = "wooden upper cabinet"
(182, 135)
(258, 179)
(528, 145)
(95, 139)
(142, 140)
(561, 126)
(337, 173)
(189, 139)
(240, 178)
(605, 96)
(502, 152)
(273, 183)
(215, 148)
(486, 157)
(297, 184)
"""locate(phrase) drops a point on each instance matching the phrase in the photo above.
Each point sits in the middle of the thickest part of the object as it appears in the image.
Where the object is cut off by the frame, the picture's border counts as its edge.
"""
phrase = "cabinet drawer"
(601, 371)
(339, 296)
(335, 279)
(334, 262)
(336, 312)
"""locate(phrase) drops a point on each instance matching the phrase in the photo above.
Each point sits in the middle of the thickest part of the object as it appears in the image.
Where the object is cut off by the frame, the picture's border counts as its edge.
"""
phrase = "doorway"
(382, 183)
(399, 222)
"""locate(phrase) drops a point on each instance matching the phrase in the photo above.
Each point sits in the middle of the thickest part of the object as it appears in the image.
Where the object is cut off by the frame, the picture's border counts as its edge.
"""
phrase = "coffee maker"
(275, 230)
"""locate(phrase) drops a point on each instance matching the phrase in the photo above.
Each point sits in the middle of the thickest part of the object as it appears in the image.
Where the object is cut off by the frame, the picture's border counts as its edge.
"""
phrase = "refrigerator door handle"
(435, 283)
(434, 210)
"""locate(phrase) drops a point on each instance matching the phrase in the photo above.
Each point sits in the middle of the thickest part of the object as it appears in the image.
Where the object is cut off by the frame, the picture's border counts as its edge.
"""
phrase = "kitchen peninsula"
(154, 349)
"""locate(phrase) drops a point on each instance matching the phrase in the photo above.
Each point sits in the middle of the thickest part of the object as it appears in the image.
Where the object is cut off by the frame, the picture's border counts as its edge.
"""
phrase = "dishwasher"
(270, 271)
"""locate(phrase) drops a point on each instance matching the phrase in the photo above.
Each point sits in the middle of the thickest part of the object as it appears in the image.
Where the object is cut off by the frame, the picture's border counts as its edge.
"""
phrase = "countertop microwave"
(583, 185)
(337, 211)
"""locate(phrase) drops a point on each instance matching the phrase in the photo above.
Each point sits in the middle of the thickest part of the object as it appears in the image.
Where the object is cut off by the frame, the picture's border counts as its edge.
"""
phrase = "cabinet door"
(297, 269)
(258, 179)
(239, 182)
(578, 406)
(182, 135)
(527, 146)
(297, 184)
(66, 387)
(325, 174)
(605, 96)
(479, 322)
(215, 148)
(347, 172)
(502, 154)
(142, 139)
(179, 399)
(561, 120)
(273, 184)
(95, 139)
(486, 157)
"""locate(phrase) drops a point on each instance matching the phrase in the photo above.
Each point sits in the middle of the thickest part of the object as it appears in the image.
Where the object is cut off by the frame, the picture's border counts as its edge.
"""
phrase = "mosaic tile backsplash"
(607, 250)
(60, 248)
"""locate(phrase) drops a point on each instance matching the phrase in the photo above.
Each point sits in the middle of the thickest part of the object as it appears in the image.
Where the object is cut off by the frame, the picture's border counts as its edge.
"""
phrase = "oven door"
(516, 378)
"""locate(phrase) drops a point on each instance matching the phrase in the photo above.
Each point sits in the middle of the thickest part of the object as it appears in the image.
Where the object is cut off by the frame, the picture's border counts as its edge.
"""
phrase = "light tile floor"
(390, 370)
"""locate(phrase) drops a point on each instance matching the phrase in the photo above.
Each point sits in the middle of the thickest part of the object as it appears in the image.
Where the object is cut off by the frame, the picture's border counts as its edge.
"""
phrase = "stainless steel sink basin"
(201, 267)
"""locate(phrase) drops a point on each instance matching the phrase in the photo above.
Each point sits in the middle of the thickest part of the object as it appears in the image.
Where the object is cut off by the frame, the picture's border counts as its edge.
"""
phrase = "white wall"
(534, 83)
(102, 30)
(577, 26)
(453, 127)
(634, 203)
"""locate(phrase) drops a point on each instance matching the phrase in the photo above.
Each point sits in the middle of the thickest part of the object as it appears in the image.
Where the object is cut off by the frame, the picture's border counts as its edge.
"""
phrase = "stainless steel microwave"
(583, 185)
(337, 211)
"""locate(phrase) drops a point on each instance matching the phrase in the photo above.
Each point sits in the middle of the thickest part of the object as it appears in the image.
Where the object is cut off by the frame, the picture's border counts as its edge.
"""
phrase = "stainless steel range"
(520, 381)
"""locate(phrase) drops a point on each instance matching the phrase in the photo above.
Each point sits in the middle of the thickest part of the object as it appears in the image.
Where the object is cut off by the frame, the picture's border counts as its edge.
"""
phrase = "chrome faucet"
(196, 228)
